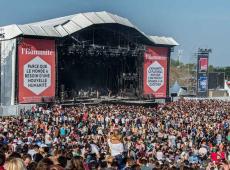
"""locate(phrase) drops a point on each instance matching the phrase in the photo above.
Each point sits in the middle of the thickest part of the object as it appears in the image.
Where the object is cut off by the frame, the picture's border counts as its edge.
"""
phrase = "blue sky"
(193, 23)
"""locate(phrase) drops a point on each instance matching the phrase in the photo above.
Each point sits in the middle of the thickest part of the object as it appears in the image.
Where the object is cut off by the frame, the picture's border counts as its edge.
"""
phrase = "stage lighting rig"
(204, 50)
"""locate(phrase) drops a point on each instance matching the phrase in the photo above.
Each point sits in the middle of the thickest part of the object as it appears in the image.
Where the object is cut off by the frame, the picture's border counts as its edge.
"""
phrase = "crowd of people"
(186, 134)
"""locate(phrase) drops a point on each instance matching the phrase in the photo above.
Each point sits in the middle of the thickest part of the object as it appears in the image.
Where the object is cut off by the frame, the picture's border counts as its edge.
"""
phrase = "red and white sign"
(155, 71)
(203, 64)
(36, 64)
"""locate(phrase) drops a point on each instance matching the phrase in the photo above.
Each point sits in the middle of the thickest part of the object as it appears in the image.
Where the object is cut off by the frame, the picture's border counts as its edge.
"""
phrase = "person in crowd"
(27, 159)
(44, 164)
(77, 163)
(15, 164)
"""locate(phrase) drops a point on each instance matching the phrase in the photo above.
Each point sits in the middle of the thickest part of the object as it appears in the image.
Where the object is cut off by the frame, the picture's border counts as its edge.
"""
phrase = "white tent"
(177, 90)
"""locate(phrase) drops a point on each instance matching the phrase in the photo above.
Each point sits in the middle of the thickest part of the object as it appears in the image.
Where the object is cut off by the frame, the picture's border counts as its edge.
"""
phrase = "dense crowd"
(178, 135)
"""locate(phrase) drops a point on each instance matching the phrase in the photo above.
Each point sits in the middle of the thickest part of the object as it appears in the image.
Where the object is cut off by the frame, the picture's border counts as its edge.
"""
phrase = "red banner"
(155, 71)
(36, 64)
(203, 64)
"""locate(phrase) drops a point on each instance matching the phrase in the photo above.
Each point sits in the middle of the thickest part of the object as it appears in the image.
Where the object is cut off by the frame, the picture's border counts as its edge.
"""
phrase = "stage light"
(201, 50)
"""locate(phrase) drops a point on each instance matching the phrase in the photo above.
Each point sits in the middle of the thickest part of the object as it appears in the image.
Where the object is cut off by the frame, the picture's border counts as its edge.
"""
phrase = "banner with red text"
(36, 65)
(155, 72)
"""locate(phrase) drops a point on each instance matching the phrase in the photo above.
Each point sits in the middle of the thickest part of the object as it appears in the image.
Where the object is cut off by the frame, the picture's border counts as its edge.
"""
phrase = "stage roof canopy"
(64, 26)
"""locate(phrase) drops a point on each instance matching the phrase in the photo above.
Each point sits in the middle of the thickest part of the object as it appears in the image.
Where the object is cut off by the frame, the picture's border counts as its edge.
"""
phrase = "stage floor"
(111, 100)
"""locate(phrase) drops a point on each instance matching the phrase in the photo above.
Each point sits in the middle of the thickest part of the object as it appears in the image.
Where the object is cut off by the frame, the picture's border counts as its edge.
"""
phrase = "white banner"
(8, 58)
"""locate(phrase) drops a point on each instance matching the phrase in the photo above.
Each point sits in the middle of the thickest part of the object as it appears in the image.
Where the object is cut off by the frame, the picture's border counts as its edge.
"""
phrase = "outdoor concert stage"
(94, 57)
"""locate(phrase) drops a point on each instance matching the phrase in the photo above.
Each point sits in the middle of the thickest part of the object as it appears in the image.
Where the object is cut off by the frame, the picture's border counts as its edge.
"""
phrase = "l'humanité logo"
(29, 51)
(155, 76)
(37, 75)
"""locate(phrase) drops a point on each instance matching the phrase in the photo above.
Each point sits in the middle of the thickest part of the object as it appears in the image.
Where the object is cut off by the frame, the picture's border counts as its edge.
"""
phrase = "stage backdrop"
(155, 71)
(36, 64)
